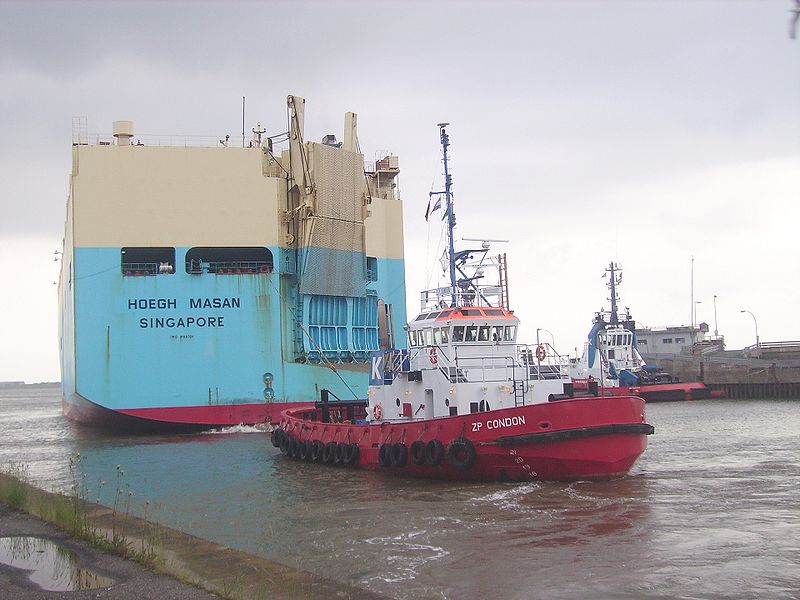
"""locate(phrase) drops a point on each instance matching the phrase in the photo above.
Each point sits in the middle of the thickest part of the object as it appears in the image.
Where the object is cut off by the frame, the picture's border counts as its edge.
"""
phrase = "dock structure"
(770, 371)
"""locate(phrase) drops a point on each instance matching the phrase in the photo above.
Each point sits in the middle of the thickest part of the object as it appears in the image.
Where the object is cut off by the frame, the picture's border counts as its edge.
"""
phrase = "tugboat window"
(147, 261)
(472, 333)
(483, 334)
(445, 335)
(511, 333)
(458, 333)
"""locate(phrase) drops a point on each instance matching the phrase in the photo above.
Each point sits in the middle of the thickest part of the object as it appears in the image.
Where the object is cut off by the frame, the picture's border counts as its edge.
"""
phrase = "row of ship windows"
(137, 261)
(677, 340)
(467, 312)
(462, 333)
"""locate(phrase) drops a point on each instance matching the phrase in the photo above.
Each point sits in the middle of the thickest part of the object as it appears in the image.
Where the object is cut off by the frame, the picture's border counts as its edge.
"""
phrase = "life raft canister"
(434, 357)
(541, 353)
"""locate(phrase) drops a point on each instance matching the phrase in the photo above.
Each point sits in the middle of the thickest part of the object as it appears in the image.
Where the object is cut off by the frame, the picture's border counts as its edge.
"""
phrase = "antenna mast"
(451, 219)
(614, 278)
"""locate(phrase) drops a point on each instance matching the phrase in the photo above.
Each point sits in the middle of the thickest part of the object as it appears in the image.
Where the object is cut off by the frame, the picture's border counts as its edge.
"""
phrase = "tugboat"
(611, 363)
(466, 400)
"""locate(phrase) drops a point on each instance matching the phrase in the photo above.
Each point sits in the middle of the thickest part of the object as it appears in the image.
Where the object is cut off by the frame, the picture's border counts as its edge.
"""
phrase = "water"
(709, 511)
(48, 565)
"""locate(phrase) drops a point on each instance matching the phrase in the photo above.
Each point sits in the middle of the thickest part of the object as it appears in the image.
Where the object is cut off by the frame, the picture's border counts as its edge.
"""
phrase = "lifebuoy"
(434, 358)
(461, 454)
(377, 412)
(541, 353)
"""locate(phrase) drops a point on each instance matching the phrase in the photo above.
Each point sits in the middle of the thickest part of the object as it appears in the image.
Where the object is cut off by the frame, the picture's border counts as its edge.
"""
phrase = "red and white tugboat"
(465, 400)
(611, 363)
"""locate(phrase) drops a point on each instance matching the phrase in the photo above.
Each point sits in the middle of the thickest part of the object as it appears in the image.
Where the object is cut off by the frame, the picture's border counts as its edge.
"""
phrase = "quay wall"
(738, 377)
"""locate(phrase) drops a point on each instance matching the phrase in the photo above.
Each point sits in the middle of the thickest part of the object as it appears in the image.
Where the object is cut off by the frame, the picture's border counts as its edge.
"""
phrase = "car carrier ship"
(211, 285)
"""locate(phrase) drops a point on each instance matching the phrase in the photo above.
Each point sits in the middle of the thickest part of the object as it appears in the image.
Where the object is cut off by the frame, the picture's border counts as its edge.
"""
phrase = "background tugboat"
(466, 401)
(611, 363)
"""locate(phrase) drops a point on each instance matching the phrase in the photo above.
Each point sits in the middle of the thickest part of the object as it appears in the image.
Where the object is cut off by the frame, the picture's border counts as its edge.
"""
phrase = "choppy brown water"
(710, 511)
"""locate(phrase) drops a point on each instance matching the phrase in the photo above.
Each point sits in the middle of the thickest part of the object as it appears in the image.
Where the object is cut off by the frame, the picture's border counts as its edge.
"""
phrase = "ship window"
(437, 336)
(422, 317)
(493, 312)
(445, 335)
(680, 340)
(428, 337)
(472, 333)
(642, 342)
(483, 334)
(666, 340)
(458, 333)
(498, 334)
(446, 313)
(148, 261)
(372, 268)
(433, 315)
(471, 312)
(611, 353)
(229, 261)
(511, 333)
(473, 407)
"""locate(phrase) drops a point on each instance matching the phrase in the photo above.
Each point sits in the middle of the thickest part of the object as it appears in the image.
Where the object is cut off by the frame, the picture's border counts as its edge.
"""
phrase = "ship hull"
(183, 418)
(192, 293)
(566, 440)
(659, 392)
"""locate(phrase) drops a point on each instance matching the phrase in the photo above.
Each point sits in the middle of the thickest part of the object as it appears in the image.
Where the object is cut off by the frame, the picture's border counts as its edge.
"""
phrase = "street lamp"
(694, 321)
(758, 343)
(552, 337)
(716, 331)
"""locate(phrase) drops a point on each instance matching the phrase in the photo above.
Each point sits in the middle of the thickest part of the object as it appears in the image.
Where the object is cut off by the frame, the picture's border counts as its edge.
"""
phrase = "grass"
(79, 517)
(229, 573)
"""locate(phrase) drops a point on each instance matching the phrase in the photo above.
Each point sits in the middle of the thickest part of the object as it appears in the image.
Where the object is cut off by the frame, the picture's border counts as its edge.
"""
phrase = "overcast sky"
(643, 132)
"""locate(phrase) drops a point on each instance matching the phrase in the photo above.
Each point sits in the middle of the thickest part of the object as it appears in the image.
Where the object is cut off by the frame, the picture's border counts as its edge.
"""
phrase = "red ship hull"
(657, 392)
(566, 440)
(190, 418)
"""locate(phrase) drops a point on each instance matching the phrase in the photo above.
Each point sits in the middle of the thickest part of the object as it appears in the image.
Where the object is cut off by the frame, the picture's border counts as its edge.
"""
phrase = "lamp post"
(716, 331)
(552, 337)
(694, 320)
(758, 342)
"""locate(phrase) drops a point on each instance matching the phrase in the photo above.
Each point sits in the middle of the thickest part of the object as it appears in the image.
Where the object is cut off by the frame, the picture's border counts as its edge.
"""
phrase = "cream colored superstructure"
(149, 195)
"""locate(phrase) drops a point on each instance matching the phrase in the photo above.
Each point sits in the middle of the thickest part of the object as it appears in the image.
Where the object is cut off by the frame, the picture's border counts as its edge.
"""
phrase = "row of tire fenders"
(460, 453)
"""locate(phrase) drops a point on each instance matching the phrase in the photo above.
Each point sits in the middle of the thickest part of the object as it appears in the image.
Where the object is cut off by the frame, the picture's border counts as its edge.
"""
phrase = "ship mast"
(614, 278)
(451, 218)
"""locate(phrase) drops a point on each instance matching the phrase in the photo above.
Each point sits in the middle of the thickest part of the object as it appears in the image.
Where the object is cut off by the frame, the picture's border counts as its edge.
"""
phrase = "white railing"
(166, 140)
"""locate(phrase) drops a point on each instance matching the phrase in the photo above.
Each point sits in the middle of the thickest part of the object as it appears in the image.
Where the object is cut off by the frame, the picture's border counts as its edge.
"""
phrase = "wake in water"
(261, 428)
